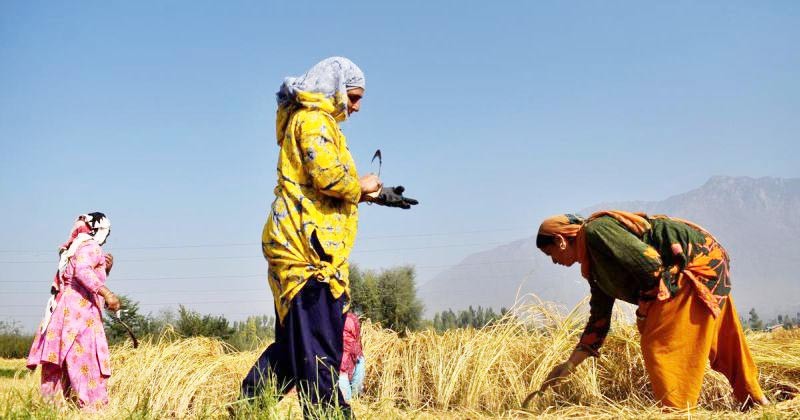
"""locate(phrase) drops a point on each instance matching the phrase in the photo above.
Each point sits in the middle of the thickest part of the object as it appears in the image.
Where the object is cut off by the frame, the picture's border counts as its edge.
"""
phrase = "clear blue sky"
(492, 114)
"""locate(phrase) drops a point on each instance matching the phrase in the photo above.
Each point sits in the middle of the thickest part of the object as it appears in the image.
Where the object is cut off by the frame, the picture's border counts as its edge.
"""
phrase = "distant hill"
(757, 220)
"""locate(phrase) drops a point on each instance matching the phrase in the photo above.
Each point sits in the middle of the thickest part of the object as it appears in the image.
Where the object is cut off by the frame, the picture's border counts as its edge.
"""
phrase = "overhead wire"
(255, 244)
(224, 276)
(231, 245)
(236, 257)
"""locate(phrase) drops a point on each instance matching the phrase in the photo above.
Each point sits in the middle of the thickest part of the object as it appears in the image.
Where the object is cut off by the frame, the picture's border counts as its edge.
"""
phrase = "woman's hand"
(555, 376)
(112, 301)
(558, 374)
(109, 263)
(370, 184)
(563, 370)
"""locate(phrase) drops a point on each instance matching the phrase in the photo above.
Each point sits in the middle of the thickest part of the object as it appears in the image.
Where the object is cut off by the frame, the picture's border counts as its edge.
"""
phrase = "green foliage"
(265, 406)
(388, 297)
(365, 294)
(789, 322)
(252, 333)
(249, 334)
(466, 318)
(13, 343)
(28, 404)
(755, 322)
(784, 321)
(141, 325)
(191, 323)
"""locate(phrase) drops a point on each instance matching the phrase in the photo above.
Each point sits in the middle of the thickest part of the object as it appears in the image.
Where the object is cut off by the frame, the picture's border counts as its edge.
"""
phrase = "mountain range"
(756, 219)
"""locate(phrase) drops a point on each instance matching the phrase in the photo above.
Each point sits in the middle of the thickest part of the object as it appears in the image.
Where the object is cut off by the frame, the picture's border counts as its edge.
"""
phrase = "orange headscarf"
(571, 226)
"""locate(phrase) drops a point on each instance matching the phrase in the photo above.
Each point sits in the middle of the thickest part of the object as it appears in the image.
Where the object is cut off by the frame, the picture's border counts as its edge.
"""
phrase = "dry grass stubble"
(461, 373)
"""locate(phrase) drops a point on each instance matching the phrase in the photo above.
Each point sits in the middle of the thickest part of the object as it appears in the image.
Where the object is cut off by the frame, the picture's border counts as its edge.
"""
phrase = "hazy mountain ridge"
(756, 219)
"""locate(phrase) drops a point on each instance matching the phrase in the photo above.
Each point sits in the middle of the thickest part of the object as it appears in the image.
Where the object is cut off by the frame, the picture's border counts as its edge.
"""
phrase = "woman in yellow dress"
(310, 231)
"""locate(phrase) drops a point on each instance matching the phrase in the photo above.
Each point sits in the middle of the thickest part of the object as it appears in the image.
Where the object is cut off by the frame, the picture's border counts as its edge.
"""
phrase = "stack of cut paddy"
(461, 373)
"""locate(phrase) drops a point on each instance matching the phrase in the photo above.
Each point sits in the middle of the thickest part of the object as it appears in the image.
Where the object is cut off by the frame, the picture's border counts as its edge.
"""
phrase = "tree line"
(250, 334)
(466, 318)
(754, 322)
(387, 297)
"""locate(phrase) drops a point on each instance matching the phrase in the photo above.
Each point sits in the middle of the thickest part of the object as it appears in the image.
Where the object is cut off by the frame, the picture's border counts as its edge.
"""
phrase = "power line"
(210, 258)
(150, 292)
(226, 314)
(201, 302)
(225, 276)
(116, 280)
(255, 244)
(228, 290)
(126, 279)
(166, 303)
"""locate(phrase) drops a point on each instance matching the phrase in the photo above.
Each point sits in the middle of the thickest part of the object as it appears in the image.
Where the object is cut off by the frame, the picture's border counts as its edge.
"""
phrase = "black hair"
(544, 240)
(97, 215)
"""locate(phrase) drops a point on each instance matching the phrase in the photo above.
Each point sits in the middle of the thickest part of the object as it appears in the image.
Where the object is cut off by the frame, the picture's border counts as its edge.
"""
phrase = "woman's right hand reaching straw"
(558, 373)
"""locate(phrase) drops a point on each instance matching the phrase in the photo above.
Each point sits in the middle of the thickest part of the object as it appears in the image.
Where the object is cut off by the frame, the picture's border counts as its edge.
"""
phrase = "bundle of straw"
(461, 373)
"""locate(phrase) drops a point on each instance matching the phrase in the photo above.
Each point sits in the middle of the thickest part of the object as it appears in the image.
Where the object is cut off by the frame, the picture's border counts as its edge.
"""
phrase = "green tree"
(141, 325)
(13, 343)
(166, 318)
(787, 322)
(366, 298)
(191, 323)
(755, 322)
(399, 307)
(388, 297)
(466, 318)
(251, 333)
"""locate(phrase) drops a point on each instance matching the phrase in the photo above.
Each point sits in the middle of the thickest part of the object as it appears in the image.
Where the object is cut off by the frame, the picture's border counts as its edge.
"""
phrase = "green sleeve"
(607, 239)
(596, 330)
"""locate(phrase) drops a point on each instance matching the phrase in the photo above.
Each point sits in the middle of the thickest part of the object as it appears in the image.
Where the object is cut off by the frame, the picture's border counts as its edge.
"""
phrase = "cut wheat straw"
(461, 373)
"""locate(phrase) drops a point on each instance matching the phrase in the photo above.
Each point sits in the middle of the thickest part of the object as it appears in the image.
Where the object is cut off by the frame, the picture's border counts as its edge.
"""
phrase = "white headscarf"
(86, 227)
(331, 77)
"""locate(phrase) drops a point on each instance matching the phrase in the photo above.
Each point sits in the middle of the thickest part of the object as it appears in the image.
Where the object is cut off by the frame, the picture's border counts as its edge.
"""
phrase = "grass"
(482, 373)
(8, 373)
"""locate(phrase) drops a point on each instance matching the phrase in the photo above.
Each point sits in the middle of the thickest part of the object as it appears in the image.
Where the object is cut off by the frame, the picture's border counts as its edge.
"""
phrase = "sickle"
(380, 160)
(116, 317)
(532, 396)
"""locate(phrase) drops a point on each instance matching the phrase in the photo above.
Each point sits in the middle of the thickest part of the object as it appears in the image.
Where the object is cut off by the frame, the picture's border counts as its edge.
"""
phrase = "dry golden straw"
(462, 373)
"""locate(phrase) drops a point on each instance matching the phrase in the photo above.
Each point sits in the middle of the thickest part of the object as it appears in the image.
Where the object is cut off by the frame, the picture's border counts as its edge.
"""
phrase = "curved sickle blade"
(531, 397)
(380, 160)
(127, 328)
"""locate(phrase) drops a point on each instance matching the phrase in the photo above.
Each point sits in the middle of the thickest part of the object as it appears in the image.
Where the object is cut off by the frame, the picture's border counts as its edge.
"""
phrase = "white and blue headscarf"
(331, 77)
(88, 226)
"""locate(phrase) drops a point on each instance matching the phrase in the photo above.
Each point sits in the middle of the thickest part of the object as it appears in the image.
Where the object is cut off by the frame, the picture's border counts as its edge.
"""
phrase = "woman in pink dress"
(70, 344)
(352, 370)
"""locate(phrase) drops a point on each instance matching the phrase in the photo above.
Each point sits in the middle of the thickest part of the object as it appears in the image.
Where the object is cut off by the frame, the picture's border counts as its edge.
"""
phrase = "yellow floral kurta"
(312, 225)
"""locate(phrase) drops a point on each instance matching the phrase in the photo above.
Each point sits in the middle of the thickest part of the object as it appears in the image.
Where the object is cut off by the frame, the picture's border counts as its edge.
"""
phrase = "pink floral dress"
(73, 349)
